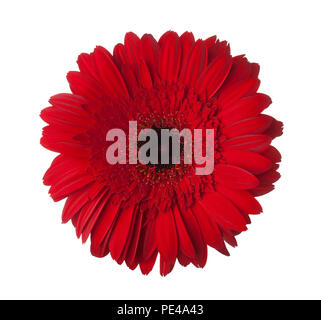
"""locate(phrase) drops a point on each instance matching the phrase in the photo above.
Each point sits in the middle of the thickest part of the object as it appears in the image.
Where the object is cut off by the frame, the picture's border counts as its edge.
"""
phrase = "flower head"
(137, 211)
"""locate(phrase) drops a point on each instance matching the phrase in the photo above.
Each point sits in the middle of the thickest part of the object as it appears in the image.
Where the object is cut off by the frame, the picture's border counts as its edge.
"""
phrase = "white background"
(279, 257)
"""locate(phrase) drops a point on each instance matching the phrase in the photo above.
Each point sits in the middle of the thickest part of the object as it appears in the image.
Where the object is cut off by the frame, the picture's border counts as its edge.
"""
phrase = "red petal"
(249, 161)
(184, 240)
(195, 64)
(165, 267)
(56, 139)
(275, 129)
(91, 217)
(216, 49)
(87, 211)
(254, 125)
(129, 78)
(269, 177)
(144, 77)
(187, 42)
(194, 232)
(182, 259)
(272, 153)
(231, 94)
(101, 250)
(67, 186)
(120, 232)
(86, 65)
(170, 57)
(229, 237)
(133, 245)
(73, 205)
(254, 143)
(70, 103)
(261, 190)
(148, 239)
(146, 266)
(65, 119)
(133, 48)
(120, 56)
(166, 235)
(130, 236)
(209, 42)
(213, 76)
(244, 108)
(223, 211)
(109, 73)
(83, 85)
(210, 230)
(241, 70)
(151, 53)
(234, 177)
(104, 223)
(62, 167)
(241, 199)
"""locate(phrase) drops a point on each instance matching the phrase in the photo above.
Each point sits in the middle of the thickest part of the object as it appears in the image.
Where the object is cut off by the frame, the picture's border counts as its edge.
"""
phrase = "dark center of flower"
(164, 150)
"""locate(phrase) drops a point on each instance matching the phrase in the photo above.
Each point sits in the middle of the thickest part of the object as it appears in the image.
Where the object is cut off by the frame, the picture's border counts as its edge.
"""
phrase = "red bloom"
(137, 211)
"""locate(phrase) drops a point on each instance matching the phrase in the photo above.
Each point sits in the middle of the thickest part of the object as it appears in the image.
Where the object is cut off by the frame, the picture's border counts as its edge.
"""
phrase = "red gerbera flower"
(135, 212)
